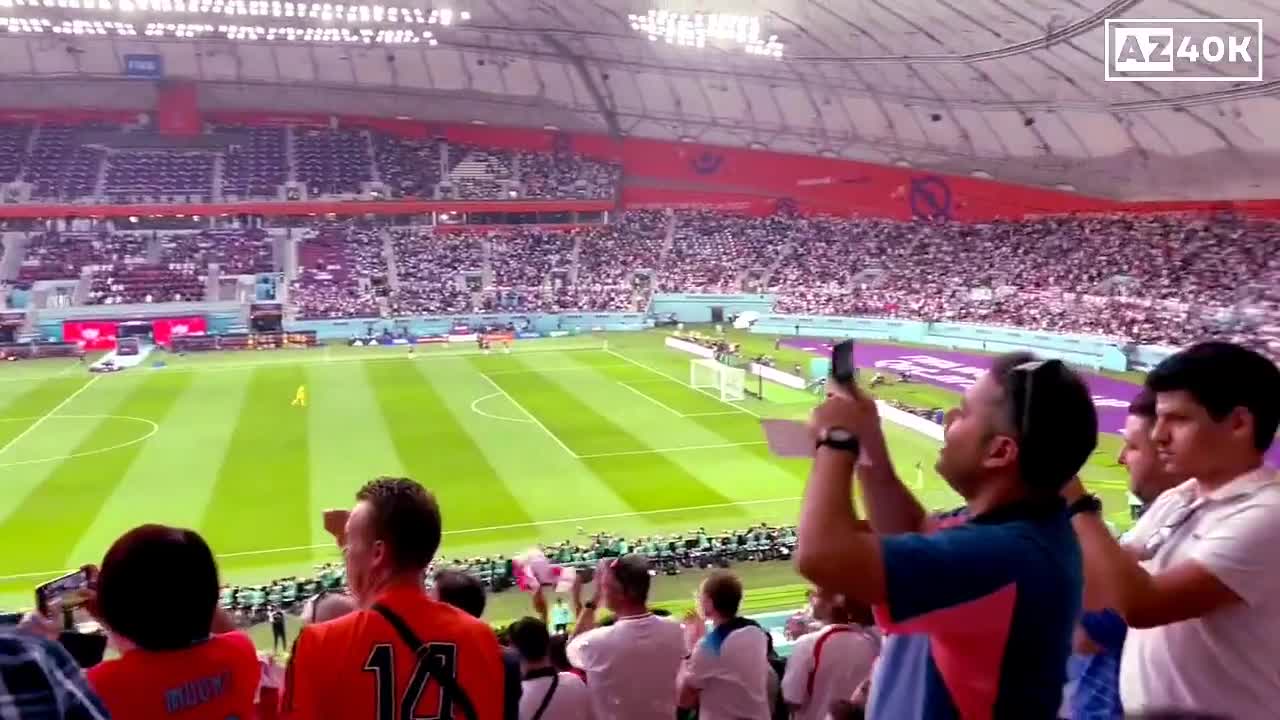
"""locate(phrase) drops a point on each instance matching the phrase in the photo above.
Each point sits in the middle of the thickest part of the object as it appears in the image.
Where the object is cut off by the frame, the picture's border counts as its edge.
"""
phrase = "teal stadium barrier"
(1085, 350)
(693, 308)
(441, 324)
(1089, 351)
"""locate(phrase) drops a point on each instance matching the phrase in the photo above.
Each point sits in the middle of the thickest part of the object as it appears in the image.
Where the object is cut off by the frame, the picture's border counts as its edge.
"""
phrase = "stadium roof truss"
(1013, 89)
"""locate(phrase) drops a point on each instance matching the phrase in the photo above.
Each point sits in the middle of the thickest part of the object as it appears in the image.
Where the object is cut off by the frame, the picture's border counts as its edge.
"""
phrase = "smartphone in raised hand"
(843, 371)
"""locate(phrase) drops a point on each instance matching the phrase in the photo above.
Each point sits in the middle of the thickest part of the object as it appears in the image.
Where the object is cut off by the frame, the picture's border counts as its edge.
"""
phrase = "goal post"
(728, 383)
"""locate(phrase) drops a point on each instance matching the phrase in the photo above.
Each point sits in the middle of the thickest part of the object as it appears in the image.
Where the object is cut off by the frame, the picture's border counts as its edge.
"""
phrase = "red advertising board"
(101, 334)
(166, 329)
(90, 334)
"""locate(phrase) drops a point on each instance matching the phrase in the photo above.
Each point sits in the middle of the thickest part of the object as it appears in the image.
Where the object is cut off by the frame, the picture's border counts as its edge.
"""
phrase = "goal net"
(728, 383)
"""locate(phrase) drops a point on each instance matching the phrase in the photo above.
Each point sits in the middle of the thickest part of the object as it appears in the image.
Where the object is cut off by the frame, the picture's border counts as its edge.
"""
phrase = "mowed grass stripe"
(38, 398)
(73, 494)
(173, 478)
(741, 472)
(557, 485)
(262, 495)
(644, 482)
(350, 442)
(437, 452)
(740, 426)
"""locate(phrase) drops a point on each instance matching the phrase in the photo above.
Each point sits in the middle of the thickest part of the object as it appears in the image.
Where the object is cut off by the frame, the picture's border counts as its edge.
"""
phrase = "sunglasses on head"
(1024, 379)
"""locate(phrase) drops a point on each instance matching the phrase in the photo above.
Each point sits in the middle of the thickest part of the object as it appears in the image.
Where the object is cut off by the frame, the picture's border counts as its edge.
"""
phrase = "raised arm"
(834, 549)
(891, 508)
(1228, 567)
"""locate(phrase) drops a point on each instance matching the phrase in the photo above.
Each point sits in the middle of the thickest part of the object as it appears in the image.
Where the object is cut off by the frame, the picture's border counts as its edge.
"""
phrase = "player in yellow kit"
(300, 397)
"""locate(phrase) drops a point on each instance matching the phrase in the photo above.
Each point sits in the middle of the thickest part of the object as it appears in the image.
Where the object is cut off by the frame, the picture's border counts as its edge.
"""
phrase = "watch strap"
(1087, 503)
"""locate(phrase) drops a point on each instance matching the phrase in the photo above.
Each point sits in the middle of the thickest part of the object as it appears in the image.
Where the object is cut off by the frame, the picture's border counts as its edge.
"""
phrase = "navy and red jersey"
(979, 616)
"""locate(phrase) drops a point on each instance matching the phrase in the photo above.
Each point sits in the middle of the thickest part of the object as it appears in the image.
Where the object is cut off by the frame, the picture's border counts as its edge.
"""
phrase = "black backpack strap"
(546, 699)
(447, 682)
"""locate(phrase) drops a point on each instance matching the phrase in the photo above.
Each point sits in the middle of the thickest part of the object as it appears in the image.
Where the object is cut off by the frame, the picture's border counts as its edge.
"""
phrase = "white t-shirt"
(631, 667)
(570, 701)
(1228, 661)
(733, 679)
(846, 660)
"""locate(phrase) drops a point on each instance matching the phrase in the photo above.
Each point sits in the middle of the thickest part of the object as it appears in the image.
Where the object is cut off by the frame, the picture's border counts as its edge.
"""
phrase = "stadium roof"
(1013, 89)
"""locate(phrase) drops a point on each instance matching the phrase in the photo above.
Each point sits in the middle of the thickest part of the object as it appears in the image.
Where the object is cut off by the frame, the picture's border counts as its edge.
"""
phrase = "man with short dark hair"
(978, 605)
(461, 590)
(1198, 578)
(727, 673)
(465, 592)
(402, 653)
(546, 693)
(631, 666)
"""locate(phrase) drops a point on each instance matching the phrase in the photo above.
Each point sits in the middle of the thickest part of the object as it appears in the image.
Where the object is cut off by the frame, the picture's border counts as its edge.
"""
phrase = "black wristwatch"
(838, 438)
(1085, 504)
(589, 605)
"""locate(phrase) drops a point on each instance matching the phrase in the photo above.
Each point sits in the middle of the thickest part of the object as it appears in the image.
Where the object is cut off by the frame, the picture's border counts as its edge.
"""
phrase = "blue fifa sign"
(144, 66)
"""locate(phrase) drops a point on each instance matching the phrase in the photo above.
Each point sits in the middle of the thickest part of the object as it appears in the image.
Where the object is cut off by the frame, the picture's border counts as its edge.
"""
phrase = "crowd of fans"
(982, 611)
(430, 271)
(711, 249)
(342, 272)
(64, 163)
(175, 282)
(1053, 274)
(1145, 279)
(567, 175)
(237, 252)
(1110, 276)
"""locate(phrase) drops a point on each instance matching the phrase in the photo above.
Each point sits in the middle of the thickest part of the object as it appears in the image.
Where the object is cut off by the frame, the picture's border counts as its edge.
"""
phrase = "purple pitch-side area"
(958, 370)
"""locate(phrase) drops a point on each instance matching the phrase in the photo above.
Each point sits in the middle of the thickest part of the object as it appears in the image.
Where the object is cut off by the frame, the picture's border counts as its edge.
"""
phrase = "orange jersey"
(358, 667)
(215, 680)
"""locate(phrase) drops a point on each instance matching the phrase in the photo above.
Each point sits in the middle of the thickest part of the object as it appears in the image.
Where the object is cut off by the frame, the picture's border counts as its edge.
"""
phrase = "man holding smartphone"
(978, 605)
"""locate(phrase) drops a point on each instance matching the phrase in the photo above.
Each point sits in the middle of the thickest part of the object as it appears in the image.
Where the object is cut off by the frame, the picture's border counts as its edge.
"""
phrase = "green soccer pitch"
(593, 432)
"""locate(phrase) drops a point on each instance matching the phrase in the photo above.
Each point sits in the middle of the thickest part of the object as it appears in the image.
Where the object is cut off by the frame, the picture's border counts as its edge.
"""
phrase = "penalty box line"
(470, 531)
(675, 379)
(580, 456)
(627, 384)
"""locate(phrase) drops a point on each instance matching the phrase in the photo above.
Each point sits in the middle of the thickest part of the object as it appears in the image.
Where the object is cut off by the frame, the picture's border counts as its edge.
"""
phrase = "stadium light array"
(697, 29)
(247, 20)
(282, 9)
(272, 33)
